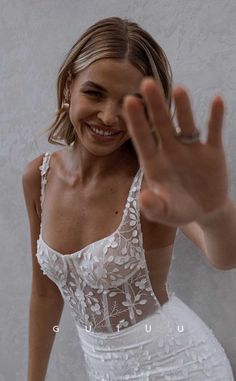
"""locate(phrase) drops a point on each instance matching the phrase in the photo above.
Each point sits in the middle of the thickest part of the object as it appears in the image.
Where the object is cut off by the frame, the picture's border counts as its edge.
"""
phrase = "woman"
(102, 254)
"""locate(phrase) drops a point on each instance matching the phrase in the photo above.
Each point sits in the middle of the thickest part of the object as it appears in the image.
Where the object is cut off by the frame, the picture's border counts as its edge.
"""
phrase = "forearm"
(44, 313)
(220, 237)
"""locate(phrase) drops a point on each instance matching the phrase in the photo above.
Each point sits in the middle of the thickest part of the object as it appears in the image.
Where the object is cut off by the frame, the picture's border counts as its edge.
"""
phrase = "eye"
(93, 93)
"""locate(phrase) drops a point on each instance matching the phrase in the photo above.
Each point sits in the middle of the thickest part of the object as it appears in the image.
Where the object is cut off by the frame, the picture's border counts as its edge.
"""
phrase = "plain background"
(199, 38)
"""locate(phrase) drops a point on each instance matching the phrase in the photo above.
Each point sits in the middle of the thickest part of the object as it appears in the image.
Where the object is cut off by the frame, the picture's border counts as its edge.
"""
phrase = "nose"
(109, 113)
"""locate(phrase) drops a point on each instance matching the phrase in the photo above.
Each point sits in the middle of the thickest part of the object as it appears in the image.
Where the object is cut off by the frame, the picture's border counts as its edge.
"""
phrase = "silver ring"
(188, 139)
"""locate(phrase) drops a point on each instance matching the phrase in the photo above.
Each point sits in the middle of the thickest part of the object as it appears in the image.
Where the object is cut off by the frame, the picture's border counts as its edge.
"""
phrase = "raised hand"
(184, 182)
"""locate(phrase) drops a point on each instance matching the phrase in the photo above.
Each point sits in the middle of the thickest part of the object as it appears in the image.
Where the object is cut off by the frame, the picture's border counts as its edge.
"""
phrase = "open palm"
(184, 182)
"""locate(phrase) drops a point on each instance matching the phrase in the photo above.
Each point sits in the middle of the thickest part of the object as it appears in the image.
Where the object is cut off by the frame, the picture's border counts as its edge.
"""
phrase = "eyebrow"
(101, 88)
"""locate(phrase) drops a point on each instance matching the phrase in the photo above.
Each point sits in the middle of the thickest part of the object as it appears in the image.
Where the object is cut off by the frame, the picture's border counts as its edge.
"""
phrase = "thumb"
(152, 204)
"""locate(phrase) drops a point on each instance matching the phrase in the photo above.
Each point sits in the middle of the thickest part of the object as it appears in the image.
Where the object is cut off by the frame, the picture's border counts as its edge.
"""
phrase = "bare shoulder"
(31, 170)
(155, 235)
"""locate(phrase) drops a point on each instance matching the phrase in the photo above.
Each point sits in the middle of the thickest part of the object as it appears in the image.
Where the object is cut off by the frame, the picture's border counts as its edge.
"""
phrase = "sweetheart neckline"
(90, 244)
(76, 253)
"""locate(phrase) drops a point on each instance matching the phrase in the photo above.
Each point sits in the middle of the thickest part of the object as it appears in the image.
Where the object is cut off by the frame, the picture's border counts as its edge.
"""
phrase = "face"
(96, 101)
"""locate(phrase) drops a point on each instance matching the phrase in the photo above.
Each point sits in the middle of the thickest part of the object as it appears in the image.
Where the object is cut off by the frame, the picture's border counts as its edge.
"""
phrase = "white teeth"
(100, 132)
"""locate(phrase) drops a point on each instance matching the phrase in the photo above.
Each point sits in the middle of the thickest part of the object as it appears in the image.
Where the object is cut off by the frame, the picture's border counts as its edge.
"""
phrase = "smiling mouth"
(101, 132)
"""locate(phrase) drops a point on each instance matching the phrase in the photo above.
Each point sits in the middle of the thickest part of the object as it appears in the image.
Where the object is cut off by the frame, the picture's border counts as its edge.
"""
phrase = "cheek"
(79, 110)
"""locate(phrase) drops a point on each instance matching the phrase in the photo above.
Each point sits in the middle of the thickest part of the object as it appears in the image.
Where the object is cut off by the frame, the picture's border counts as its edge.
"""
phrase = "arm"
(216, 237)
(46, 303)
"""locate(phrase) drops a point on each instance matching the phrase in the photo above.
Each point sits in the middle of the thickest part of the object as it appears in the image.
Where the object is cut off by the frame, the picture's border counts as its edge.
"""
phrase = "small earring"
(66, 103)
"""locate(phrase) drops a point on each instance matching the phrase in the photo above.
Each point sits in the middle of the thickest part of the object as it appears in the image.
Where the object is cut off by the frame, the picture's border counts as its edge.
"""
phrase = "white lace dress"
(124, 331)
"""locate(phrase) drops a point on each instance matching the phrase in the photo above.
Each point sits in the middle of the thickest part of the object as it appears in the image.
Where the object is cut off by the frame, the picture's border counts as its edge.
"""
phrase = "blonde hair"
(108, 38)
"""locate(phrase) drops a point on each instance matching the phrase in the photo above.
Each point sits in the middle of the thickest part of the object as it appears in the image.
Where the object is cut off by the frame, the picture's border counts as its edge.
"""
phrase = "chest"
(72, 218)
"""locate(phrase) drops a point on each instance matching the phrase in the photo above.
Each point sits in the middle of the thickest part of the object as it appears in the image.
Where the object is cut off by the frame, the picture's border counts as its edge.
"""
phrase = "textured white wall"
(199, 37)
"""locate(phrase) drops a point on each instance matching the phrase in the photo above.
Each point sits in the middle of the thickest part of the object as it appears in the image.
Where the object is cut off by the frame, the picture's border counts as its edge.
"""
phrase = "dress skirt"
(171, 344)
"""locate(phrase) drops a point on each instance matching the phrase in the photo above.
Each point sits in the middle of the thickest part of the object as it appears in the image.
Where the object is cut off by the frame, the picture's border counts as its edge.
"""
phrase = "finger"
(158, 110)
(215, 123)
(140, 133)
(184, 111)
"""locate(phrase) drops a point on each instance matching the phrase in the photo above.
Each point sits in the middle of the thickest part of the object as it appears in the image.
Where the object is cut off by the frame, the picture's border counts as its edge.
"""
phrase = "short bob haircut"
(111, 37)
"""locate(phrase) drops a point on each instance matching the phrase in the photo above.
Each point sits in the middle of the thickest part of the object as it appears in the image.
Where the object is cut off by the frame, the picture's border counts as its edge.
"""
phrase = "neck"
(90, 166)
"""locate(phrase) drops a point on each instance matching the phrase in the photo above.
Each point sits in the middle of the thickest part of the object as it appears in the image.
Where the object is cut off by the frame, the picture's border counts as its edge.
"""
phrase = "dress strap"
(43, 169)
(140, 178)
(137, 186)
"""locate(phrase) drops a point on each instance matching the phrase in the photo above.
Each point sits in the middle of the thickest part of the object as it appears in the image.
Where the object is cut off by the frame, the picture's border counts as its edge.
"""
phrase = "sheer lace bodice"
(106, 284)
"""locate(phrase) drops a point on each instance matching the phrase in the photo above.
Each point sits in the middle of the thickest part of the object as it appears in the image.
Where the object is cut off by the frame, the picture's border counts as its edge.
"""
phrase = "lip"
(100, 137)
(102, 128)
